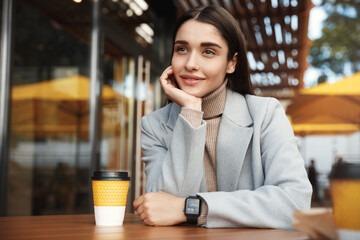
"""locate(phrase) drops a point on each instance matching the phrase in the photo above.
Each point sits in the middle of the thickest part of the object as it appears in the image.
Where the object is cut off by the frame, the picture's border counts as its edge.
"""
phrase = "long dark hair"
(239, 80)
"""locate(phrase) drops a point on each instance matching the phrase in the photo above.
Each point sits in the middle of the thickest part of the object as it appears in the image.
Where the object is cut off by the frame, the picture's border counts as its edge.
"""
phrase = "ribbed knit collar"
(213, 104)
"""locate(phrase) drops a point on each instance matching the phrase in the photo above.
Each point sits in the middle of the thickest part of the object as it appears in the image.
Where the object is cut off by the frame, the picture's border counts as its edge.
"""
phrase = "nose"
(191, 62)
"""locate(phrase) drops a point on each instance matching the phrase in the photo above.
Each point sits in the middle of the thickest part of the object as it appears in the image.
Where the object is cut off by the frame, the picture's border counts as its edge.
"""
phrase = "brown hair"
(239, 80)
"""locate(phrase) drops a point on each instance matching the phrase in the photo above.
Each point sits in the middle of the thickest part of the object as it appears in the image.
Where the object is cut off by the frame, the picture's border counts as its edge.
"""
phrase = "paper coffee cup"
(345, 192)
(110, 190)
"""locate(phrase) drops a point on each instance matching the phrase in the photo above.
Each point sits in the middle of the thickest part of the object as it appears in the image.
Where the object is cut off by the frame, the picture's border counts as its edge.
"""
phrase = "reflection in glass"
(49, 149)
(49, 156)
(117, 132)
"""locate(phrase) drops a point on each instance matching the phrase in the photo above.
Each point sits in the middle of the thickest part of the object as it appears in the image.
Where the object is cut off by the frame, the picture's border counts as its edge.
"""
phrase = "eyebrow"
(204, 44)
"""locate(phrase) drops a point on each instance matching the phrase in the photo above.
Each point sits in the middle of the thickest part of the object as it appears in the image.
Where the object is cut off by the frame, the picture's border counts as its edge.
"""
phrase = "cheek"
(176, 65)
(173, 62)
(216, 71)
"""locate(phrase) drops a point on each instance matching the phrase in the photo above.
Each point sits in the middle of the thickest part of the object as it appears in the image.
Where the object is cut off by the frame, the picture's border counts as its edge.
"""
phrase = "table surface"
(82, 226)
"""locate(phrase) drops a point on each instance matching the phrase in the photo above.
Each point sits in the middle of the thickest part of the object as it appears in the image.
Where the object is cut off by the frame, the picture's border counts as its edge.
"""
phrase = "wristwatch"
(192, 209)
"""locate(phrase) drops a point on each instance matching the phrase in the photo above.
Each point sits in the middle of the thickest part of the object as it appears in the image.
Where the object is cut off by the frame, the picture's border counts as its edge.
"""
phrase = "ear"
(232, 64)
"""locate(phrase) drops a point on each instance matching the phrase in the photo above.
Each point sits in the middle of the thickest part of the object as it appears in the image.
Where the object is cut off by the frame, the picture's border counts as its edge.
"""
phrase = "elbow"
(303, 198)
(307, 196)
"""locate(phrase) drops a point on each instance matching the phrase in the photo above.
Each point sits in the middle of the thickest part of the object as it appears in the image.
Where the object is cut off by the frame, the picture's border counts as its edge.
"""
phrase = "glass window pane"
(49, 152)
(49, 149)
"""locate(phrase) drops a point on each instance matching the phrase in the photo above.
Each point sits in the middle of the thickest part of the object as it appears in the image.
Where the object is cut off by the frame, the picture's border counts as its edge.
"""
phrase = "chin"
(193, 93)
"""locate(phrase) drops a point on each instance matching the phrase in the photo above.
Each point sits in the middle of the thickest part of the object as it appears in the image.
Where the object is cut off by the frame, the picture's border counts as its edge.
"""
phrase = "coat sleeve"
(284, 186)
(173, 157)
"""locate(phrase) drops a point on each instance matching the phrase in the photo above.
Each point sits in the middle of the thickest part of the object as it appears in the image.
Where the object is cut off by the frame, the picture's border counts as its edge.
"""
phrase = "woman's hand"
(160, 209)
(183, 99)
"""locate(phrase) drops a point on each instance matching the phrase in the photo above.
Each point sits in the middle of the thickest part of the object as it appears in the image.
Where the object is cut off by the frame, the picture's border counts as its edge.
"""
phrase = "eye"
(180, 49)
(209, 52)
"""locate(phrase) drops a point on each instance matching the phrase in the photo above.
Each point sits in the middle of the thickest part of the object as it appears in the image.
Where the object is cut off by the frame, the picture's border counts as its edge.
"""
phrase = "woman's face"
(200, 58)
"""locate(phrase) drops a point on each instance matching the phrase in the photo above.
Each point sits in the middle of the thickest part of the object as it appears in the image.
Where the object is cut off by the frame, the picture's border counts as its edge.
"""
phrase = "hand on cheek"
(175, 94)
(160, 209)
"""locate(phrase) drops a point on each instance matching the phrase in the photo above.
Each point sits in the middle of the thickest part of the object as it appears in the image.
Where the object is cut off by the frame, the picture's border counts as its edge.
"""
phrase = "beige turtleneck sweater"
(212, 109)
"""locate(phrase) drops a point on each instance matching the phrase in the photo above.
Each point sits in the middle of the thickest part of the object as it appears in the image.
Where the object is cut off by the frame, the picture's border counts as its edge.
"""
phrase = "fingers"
(142, 216)
(138, 202)
(167, 79)
(140, 210)
(169, 85)
(148, 222)
(166, 74)
(160, 209)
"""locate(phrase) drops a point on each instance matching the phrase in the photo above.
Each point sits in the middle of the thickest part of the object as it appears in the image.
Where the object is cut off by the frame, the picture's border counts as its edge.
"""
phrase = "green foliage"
(339, 44)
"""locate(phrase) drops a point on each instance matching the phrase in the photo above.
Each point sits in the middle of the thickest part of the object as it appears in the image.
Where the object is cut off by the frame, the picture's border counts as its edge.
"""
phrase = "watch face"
(192, 206)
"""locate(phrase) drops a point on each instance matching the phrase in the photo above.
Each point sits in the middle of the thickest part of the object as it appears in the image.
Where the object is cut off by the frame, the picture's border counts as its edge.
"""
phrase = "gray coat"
(261, 175)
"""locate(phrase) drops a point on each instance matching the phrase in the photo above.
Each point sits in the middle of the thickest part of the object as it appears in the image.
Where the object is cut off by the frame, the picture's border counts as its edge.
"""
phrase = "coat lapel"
(235, 133)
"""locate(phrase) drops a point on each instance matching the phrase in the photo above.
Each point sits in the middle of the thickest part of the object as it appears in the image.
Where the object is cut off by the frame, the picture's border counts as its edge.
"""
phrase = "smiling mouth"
(191, 81)
(191, 78)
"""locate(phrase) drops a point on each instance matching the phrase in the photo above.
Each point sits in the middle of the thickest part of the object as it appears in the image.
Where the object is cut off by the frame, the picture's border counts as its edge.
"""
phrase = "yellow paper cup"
(110, 190)
(345, 192)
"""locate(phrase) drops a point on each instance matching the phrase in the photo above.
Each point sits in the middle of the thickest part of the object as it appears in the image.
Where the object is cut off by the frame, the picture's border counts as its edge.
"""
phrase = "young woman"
(218, 156)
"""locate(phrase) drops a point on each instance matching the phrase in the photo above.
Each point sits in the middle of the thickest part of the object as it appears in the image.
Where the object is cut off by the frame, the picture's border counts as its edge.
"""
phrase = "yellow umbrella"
(72, 88)
(347, 86)
(55, 107)
(327, 108)
(324, 129)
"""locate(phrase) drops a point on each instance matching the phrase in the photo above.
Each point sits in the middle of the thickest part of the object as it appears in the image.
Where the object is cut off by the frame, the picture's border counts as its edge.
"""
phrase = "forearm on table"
(266, 207)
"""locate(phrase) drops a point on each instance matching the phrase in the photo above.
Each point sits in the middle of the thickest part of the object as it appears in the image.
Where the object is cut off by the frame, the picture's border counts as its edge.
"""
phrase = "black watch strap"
(192, 220)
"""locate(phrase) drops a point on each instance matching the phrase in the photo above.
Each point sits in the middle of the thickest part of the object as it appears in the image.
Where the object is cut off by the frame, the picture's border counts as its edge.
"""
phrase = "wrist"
(182, 217)
(195, 104)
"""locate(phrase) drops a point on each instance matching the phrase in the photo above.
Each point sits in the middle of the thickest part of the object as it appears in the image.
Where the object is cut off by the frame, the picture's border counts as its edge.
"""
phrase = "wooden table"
(78, 227)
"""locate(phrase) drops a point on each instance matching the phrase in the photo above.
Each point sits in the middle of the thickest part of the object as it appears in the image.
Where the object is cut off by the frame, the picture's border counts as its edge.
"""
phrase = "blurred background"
(78, 75)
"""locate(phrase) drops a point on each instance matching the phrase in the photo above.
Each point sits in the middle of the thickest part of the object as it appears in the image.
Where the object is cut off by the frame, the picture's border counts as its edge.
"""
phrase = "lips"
(191, 79)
